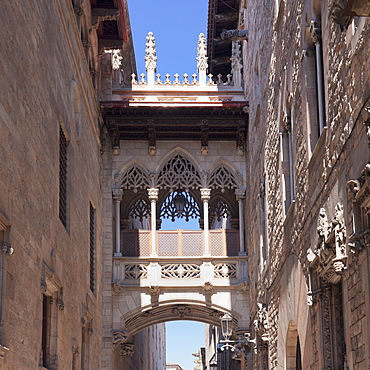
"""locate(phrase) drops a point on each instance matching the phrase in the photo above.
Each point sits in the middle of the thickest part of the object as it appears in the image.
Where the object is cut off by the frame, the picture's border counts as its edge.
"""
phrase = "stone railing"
(195, 271)
(180, 243)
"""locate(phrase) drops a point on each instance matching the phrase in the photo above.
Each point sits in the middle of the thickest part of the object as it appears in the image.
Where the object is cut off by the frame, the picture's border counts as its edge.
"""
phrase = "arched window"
(139, 215)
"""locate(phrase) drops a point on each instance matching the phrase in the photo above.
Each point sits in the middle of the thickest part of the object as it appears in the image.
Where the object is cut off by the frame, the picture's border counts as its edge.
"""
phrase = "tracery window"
(177, 173)
(139, 214)
(219, 214)
(135, 179)
(223, 179)
(179, 204)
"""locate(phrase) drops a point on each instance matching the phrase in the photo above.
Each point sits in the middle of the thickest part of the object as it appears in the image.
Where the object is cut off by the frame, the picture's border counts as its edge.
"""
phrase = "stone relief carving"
(181, 311)
(243, 286)
(154, 290)
(328, 257)
(359, 194)
(120, 337)
(127, 350)
(117, 288)
(208, 287)
(261, 323)
(234, 35)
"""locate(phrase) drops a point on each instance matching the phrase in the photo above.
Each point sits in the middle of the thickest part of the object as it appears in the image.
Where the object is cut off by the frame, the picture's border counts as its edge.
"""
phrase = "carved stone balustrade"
(200, 272)
(182, 243)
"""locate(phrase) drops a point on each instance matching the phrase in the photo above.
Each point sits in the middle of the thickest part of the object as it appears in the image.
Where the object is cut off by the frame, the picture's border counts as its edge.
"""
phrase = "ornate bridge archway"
(178, 151)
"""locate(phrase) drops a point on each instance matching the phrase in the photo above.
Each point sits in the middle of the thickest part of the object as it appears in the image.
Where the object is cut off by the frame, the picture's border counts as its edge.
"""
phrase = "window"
(52, 303)
(46, 327)
(63, 177)
(92, 249)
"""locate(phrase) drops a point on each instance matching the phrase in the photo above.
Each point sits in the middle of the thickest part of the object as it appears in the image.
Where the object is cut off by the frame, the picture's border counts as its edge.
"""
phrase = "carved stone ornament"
(359, 193)
(234, 35)
(117, 288)
(243, 287)
(150, 51)
(127, 350)
(181, 311)
(116, 59)
(120, 337)
(154, 289)
(261, 323)
(208, 287)
(329, 256)
(7, 249)
(100, 15)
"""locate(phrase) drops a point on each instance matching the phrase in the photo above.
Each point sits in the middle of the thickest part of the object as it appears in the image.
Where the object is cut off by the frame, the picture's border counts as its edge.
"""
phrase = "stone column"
(205, 196)
(240, 196)
(117, 196)
(153, 197)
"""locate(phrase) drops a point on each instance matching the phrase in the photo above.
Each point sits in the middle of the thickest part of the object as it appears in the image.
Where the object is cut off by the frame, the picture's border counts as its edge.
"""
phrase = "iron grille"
(92, 248)
(63, 177)
(340, 326)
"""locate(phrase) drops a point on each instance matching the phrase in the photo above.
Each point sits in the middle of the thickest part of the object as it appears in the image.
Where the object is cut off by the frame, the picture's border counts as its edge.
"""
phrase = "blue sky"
(176, 25)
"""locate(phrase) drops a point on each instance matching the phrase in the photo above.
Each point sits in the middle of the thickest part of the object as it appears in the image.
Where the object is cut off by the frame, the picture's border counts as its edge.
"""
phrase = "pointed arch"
(178, 171)
(133, 175)
(223, 176)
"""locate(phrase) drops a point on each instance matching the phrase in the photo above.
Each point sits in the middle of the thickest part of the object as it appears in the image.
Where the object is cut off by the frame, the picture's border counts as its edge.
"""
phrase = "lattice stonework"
(136, 271)
(168, 245)
(225, 270)
(192, 244)
(215, 241)
(128, 244)
(135, 179)
(144, 244)
(180, 271)
(222, 179)
(178, 172)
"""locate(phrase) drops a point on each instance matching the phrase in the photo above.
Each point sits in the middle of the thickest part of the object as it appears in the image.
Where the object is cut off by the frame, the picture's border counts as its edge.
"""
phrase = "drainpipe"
(315, 30)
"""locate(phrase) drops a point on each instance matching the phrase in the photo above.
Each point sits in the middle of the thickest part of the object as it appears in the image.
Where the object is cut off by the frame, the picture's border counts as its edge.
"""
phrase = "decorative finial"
(150, 58)
(202, 59)
(236, 63)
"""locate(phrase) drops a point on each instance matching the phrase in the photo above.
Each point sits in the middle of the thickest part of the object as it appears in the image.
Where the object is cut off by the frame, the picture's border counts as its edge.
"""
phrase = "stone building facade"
(53, 73)
(280, 158)
(306, 75)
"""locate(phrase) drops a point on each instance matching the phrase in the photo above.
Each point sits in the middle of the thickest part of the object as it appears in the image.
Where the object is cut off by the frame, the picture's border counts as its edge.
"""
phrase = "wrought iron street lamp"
(235, 346)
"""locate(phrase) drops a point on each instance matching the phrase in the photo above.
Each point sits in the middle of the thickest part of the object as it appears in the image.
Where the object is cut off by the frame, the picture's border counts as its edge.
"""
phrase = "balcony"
(180, 243)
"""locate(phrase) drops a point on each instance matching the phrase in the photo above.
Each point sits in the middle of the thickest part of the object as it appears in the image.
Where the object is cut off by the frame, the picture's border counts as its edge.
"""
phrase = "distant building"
(171, 366)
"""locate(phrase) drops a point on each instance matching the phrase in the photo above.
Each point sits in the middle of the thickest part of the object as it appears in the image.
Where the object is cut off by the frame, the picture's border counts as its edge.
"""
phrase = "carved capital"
(117, 194)
(153, 194)
(240, 194)
(205, 194)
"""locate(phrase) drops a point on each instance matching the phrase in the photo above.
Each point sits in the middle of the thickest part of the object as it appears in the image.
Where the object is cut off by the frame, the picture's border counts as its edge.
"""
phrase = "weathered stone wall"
(42, 60)
(320, 173)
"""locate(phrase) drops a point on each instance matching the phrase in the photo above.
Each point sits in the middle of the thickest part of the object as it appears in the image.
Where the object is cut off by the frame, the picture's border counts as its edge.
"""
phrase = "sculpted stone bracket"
(329, 256)
(261, 323)
(234, 35)
(100, 15)
(359, 193)
(240, 146)
(152, 150)
(120, 338)
(205, 136)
